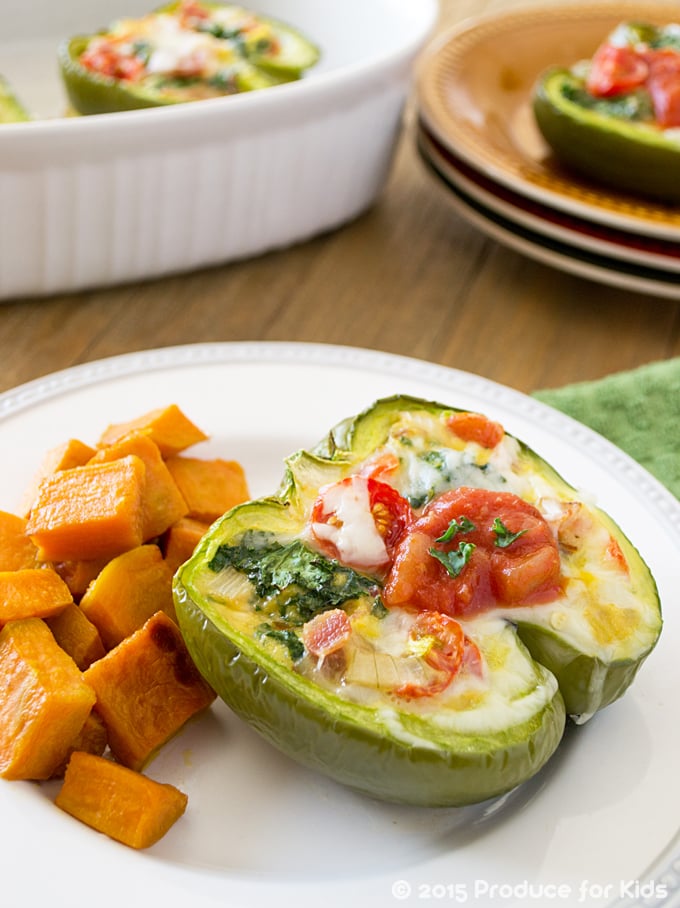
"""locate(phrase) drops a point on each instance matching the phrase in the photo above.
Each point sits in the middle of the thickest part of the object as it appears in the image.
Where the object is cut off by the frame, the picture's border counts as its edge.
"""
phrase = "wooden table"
(408, 277)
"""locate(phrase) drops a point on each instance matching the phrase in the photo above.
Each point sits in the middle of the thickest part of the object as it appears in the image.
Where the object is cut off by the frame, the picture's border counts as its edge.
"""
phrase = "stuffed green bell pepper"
(616, 117)
(11, 109)
(418, 607)
(184, 51)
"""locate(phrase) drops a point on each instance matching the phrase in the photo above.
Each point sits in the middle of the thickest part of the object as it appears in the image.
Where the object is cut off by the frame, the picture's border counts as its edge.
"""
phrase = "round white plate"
(505, 227)
(599, 824)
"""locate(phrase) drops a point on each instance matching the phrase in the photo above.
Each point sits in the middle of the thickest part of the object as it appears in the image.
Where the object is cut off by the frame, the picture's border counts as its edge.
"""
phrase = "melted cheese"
(353, 531)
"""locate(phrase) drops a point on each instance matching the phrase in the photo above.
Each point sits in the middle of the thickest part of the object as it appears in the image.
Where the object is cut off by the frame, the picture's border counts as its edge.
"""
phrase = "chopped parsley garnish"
(455, 560)
(297, 581)
(463, 525)
(504, 537)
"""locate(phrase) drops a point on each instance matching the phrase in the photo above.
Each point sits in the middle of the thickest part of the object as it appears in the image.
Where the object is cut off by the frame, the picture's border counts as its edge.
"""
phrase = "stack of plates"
(477, 135)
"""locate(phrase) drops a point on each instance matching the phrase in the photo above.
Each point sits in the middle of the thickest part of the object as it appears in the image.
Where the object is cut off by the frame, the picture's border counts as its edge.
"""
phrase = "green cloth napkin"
(639, 411)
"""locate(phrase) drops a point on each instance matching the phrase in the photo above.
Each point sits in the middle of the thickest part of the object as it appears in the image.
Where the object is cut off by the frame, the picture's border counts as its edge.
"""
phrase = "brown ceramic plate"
(475, 90)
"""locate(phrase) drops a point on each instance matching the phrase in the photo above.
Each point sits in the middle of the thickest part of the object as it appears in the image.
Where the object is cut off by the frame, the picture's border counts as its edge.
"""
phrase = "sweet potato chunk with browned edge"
(89, 512)
(121, 803)
(91, 739)
(147, 688)
(66, 456)
(45, 702)
(32, 593)
(209, 487)
(128, 591)
(16, 549)
(167, 426)
(181, 540)
(77, 636)
(163, 502)
(78, 575)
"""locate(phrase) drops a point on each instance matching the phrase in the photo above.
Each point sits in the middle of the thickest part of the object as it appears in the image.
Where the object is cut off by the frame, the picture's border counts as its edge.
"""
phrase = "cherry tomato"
(664, 87)
(501, 552)
(381, 467)
(615, 70)
(476, 427)
(338, 521)
(450, 649)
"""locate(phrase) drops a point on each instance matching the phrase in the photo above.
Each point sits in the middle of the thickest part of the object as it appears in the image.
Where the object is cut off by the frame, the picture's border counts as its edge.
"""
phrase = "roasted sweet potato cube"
(89, 512)
(209, 487)
(78, 575)
(32, 593)
(77, 636)
(147, 688)
(66, 456)
(45, 701)
(167, 426)
(163, 502)
(128, 591)
(16, 549)
(125, 805)
(90, 739)
(181, 540)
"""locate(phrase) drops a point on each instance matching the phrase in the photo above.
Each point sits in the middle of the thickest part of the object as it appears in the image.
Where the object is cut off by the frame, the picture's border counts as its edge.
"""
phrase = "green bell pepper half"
(11, 109)
(594, 141)
(91, 92)
(394, 754)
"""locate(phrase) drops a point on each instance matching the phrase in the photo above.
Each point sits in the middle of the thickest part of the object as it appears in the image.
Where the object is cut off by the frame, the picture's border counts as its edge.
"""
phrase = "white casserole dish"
(93, 201)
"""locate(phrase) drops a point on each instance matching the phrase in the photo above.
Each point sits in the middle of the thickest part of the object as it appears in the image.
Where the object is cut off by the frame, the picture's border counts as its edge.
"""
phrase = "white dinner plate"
(506, 227)
(598, 825)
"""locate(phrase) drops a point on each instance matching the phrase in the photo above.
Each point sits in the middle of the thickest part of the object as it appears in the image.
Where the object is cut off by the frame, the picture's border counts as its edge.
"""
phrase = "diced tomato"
(615, 552)
(380, 467)
(472, 658)
(390, 513)
(190, 10)
(449, 651)
(105, 58)
(664, 87)
(524, 570)
(615, 70)
(326, 632)
(476, 427)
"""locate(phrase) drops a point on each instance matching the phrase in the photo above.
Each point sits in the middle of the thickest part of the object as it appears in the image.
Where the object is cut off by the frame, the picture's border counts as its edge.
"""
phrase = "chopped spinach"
(634, 106)
(379, 609)
(436, 459)
(142, 50)
(287, 637)
(298, 581)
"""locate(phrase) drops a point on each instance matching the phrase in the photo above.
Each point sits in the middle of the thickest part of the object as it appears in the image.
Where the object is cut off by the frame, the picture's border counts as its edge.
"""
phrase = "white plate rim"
(51, 387)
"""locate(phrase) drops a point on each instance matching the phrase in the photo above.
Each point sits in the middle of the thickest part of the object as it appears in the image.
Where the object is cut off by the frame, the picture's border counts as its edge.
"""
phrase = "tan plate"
(475, 89)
